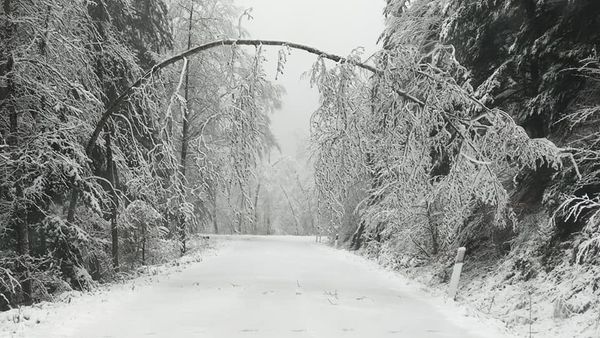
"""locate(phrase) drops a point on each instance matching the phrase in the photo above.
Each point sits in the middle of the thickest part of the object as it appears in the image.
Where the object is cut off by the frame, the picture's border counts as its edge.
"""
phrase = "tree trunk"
(306, 193)
(268, 218)
(23, 251)
(255, 222)
(215, 223)
(357, 236)
(433, 232)
(186, 111)
(72, 204)
(43, 244)
(110, 168)
(144, 248)
(292, 210)
(7, 93)
(184, 137)
(241, 211)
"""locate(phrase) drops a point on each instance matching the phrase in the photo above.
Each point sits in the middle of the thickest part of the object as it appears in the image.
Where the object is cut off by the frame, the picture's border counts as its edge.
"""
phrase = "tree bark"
(144, 249)
(21, 229)
(241, 211)
(72, 204)
(215, 220)
(255, 222)
(184, 136)
(357, 237)
(268, 217)
(186, 111)
(110, 168)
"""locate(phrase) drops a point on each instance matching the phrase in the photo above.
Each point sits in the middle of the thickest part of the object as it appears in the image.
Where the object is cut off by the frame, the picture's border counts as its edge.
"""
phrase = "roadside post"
(458, 264)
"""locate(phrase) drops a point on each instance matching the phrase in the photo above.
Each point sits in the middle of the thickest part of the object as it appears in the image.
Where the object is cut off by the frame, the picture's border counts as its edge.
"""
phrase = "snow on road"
(261, 287)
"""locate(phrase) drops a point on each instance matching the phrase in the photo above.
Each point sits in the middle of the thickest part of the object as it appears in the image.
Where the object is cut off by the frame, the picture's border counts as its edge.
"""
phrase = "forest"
(128, 127)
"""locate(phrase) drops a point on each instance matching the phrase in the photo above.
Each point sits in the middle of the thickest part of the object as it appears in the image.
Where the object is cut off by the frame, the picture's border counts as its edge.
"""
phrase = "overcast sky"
(335, 26)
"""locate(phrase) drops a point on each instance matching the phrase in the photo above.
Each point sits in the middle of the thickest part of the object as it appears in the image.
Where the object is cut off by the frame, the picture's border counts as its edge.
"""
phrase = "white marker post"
(453, 288)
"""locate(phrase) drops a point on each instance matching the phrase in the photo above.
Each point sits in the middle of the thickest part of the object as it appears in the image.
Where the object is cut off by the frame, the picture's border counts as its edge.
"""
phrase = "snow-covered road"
(266, 287)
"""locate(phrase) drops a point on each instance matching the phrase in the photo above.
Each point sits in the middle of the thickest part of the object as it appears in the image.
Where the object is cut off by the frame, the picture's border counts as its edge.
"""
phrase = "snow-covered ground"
(256, 287)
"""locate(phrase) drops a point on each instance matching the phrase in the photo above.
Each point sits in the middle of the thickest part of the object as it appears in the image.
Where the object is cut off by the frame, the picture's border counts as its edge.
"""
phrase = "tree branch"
(114, 106)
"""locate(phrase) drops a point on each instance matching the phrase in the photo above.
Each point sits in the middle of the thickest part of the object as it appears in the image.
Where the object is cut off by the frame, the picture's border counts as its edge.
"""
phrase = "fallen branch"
(114, 105)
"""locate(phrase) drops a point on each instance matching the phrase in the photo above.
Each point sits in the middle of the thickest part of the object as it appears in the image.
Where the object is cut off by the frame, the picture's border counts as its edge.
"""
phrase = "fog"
(335, 26)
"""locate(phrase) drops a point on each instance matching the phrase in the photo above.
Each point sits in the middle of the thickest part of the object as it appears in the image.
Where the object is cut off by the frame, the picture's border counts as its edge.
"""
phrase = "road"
(271, 287)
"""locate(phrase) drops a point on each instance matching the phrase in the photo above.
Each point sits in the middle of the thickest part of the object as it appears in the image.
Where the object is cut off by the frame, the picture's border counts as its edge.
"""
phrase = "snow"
(256, 287)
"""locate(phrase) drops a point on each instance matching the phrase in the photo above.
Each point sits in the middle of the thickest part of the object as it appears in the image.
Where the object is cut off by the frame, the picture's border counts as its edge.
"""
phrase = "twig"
(419, 246)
